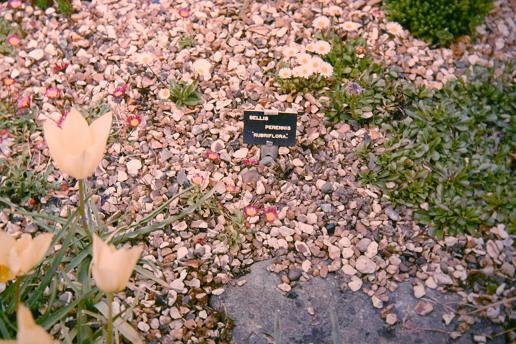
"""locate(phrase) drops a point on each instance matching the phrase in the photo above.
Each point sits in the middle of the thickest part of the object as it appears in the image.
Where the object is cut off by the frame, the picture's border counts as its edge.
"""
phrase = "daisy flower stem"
(353, 111)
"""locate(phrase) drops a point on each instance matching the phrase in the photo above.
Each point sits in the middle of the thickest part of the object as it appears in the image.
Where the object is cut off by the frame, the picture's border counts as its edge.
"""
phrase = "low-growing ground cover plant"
(452, 157)
(21, 184)
(355, 88)
(10, 36)
(438, 21)
(364, 91)
(63, 6)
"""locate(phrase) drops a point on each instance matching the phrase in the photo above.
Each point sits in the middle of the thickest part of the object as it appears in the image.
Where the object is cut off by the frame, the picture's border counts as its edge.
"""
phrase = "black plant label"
(261, 127)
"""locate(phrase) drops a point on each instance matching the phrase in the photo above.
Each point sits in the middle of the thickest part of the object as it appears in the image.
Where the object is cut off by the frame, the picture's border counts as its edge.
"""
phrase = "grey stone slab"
(262, 313)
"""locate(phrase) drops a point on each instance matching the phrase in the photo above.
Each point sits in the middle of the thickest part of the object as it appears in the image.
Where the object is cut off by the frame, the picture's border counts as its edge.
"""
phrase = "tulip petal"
(76, 165)
(72, 164)
(7, 242)
(103, 272)
(28, 331)
(76, 136)
(29, 252)
(126, 260)
(24, 317)
(101, 127)
(53, 137)
(112, 268)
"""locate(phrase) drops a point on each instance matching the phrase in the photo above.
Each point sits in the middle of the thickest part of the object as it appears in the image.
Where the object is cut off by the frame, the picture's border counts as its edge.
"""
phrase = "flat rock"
(305, 316)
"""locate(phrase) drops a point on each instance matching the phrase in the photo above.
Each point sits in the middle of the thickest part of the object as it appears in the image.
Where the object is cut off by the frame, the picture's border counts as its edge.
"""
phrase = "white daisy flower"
(310, 47)
(351, 26)
(326, 70)
(202, 67)
(290, 51)
(303, 58)
(321, 23)
(315, 62)
(394, 29)
(164, 94)
(306, 71)
(285, 73)
(322, 47)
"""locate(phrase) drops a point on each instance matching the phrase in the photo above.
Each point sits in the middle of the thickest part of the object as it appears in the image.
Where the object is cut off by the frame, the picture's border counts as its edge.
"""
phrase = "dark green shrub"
(451, 158)
(438, 21)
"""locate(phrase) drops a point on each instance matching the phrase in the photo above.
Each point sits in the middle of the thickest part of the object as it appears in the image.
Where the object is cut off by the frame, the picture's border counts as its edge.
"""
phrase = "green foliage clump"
(359, 90)
(7, 29)
(64, 7)
(301, 85)
(20, 126)
(438, 21)
(452, 156)
(186, 42)
(364, 91)
(185, 94)
(20, 184)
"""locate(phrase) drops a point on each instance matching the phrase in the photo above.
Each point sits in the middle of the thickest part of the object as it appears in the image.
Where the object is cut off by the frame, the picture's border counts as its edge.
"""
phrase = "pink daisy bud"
(14, 40)
(52, 93)
(24, 102)
(184, 12)
(14, 4)
(213, 156)
(231, 188)
(60, 67)
(251, 211)
(271, 214)
(249, 162)
(197, 179)
(8, 82)
(39, 143)
(134, 120)
(119, 91)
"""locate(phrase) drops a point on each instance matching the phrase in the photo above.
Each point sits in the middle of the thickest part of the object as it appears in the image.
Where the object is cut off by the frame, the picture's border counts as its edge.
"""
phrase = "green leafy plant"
(6, 29)
(364, 91)
(43, 4)
(452, 157)
(20, 126)
(438, 21)
(349, 58)
(22, 185)
(301, 85)
(64, 7)
(185, 94)
(186, 42)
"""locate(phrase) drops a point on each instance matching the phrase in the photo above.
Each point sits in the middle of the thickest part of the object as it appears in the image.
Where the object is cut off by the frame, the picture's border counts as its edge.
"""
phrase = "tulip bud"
(19, 257)
(28, 331)
(111, 268)
(77, 149)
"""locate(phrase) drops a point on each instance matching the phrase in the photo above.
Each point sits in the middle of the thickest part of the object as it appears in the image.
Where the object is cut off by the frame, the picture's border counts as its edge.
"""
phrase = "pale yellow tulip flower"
(111, 268)
(19, 257)
(28, 331)
(78, 148)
